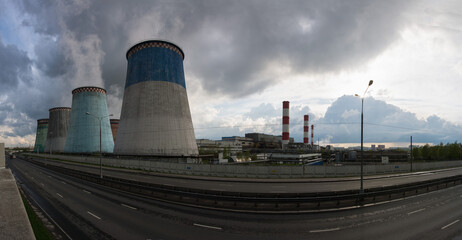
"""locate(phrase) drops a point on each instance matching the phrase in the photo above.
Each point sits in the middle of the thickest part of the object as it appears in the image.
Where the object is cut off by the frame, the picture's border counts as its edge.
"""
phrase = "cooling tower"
(155, 117)
(285, 123)
(41, 137)
(114, 127)
(89, 113)
(57, 129)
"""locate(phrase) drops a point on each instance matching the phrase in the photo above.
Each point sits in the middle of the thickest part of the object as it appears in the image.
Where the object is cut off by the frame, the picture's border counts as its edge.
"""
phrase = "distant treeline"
(450, 151)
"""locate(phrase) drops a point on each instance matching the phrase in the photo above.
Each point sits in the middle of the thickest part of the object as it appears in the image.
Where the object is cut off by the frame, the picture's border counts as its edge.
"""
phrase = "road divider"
(278, 202)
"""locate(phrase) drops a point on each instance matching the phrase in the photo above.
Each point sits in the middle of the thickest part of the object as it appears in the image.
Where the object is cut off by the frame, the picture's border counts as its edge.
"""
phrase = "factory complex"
(155, 118)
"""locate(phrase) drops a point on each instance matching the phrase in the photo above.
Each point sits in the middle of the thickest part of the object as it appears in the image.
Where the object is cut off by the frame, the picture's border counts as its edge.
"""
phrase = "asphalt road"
(269, 185)
(85, 210)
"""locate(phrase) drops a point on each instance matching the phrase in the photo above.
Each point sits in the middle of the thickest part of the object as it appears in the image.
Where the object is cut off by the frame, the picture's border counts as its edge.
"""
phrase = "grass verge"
(40, 231)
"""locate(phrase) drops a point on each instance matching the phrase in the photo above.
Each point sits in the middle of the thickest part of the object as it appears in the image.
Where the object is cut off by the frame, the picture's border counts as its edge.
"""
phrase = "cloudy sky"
(242, 59)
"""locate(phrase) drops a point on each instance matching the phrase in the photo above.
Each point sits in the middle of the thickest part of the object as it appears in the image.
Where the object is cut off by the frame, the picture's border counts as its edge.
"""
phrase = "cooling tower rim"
(113, 120)
(180, 51)
(89, 89)
(43, 120)
(59, 109)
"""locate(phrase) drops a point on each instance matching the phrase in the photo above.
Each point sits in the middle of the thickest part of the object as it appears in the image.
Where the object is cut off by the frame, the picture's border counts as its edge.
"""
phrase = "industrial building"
(58, 124)
(41, 136)
(114, 127)
(89, 120)
(155, 117)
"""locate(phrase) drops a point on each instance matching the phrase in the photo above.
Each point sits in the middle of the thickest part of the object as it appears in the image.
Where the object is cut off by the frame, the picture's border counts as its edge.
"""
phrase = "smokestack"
(285, 123)
(312, 135)
(306, 126)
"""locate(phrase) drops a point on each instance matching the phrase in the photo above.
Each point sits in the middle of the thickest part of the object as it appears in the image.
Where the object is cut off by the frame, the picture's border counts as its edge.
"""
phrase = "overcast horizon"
(242, 59)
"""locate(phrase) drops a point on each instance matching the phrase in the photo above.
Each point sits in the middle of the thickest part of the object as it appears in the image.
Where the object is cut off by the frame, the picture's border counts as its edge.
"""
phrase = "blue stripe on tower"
(155, 64)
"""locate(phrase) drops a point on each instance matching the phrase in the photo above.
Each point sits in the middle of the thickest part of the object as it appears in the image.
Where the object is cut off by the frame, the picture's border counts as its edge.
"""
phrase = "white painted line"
(86, 191)
(125, 205)
(42, 184)
(324, 230)
(207, 226)
(61, 196)
(450, 224)
(94, 215)
(416, 211)
(49, 176)
(63, 182)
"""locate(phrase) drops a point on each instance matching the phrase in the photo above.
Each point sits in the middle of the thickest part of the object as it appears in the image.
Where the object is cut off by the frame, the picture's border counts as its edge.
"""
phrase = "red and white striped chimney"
(306, 126)
(285, 123)
(312, 135)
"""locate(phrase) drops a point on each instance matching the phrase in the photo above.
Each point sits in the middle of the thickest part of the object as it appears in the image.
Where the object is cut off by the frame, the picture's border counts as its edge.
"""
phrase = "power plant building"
(41, 137)
(57, 129)
(89, 115)
(155, 117)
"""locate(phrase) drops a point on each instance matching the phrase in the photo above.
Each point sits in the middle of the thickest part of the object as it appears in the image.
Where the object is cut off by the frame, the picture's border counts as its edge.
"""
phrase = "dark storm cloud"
(15, 65)
(228, 44)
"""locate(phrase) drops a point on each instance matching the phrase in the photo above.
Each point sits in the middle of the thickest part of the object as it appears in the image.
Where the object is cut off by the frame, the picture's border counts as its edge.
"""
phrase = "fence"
(255, 171)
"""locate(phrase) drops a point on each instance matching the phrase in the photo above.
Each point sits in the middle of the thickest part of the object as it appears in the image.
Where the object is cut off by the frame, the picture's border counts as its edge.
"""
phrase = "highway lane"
(436, 215)
(271, 186)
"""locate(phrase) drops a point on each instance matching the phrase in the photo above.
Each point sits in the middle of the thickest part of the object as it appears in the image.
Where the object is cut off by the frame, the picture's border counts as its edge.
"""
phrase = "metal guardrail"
(260, 202)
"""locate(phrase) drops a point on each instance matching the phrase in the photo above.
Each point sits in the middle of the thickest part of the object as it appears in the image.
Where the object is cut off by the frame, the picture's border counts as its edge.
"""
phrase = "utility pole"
(411, 153)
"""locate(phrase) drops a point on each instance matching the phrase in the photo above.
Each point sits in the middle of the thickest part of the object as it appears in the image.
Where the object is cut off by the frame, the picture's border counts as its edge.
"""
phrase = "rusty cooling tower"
(58, 124)
(155, 117)
(114, 127)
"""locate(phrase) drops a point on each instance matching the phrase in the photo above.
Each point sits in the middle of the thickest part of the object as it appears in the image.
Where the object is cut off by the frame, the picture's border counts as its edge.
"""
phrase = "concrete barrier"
(257, 171)
(2, 155)
(14, 223)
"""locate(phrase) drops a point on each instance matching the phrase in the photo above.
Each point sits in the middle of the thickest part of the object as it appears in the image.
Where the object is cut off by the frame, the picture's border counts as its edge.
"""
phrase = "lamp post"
(100, 152)
(361, 190)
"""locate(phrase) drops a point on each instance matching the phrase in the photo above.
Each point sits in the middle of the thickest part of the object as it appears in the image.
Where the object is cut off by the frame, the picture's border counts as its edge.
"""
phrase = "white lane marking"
(42, 184)
(49, 176)
(125, 205)
(207, 226)
(450, 224)
(94, 215)
(86, 191)
(63, 182)
(61, 196)
(416, 211)
(325, 230)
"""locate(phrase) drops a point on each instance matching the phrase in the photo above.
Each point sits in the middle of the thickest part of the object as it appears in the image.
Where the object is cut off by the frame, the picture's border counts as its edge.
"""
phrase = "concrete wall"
(2, 155)
(254, 171)
(14, 223)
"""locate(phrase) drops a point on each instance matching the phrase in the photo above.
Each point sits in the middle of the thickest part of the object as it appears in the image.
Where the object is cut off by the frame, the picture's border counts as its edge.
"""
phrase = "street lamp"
(100, 153)
(361, 191)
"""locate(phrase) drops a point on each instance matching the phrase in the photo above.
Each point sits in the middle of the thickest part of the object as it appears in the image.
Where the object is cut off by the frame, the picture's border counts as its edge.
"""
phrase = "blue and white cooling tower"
(155, 117)
(41, 137)
(57, 129)
(89, 110)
